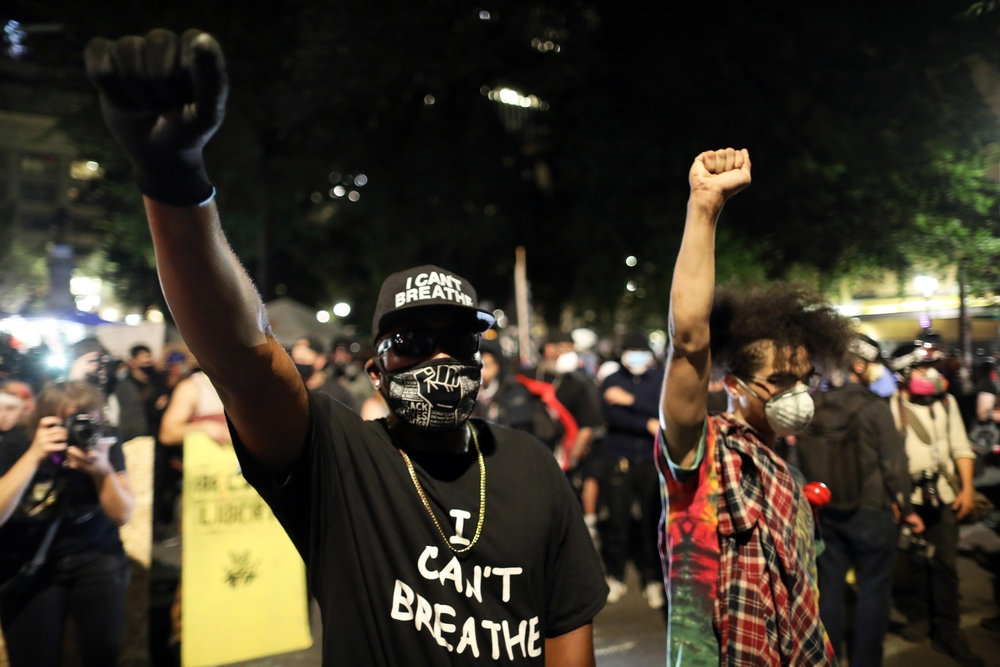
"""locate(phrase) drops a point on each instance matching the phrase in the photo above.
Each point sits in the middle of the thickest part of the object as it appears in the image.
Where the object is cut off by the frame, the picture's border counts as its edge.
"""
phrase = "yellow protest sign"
(244, 582)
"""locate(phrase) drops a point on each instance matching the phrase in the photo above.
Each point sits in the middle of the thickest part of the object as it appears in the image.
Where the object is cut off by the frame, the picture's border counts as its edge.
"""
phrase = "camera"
(918, 546)
(927, 482)
(83, 431)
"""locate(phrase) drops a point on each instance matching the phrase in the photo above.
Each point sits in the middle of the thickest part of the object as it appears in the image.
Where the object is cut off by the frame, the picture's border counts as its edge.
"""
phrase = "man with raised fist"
(408, 564)
(738, 531)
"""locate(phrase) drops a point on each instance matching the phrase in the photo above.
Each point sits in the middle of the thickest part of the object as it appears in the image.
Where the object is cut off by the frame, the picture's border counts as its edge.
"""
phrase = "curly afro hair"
(790, 316)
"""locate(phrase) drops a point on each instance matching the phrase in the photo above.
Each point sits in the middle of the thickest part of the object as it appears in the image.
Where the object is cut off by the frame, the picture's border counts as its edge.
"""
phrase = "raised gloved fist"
(163, 98)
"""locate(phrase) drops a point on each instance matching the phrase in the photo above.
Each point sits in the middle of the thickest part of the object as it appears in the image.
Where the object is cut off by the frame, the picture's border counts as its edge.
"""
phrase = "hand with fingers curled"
(716, 176)
(163, 96)
(94, 462)
(50, 438)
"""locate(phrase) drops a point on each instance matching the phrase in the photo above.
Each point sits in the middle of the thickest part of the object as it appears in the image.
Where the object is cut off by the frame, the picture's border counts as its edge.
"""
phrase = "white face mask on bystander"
(567, 362)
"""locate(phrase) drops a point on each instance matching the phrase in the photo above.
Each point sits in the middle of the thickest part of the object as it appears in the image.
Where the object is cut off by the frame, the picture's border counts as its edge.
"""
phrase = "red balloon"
(818, 494)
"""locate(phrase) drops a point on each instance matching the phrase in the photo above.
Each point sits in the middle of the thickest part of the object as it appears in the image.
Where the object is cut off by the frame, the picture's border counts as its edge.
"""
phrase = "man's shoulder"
(326, 412)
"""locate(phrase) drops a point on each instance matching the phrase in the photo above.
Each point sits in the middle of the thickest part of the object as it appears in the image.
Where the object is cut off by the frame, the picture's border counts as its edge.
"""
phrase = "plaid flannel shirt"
(766, 611)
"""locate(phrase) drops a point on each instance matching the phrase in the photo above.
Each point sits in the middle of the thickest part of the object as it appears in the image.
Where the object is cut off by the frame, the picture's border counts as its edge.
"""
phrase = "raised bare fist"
(716, 176)
(163, 98)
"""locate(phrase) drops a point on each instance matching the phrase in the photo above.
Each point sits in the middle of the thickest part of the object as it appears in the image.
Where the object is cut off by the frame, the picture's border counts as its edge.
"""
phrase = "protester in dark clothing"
(81, 504)
(132, 420)
(348, 367)
(853, 447)
(502, 399)
(143, 396)
(152, 385)
(632, 407)
(310, 360)
(558, 367)
(384, 512)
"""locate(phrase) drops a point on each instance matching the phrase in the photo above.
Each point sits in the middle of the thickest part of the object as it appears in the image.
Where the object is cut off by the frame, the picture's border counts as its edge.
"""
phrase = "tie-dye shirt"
(749, 536)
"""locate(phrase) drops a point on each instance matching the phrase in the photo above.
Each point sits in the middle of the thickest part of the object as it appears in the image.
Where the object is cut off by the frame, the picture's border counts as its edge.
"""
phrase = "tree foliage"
(867, 135)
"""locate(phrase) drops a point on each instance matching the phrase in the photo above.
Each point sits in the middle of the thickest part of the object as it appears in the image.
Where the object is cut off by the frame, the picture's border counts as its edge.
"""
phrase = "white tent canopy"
(291, 320)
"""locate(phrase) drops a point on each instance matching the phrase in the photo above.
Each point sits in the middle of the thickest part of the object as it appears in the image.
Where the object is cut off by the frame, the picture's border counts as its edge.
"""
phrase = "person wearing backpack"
(853, 446)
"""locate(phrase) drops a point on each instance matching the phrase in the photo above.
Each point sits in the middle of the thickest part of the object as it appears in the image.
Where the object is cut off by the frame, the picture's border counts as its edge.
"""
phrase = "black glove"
(163, 98)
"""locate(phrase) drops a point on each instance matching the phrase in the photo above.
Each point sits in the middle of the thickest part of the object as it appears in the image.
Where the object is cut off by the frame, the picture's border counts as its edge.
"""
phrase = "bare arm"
(715, 176)
(13, 484)
(221, 317)
(49, 437)
(573, 649)
(985, 404)
(582, 445)
(116, 497)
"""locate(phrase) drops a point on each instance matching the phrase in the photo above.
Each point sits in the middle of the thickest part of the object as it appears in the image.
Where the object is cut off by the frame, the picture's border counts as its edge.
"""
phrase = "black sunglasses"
(423, 343)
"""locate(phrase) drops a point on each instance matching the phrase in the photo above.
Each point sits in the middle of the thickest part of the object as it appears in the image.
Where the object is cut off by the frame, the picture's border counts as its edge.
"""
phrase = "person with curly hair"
(737, 530)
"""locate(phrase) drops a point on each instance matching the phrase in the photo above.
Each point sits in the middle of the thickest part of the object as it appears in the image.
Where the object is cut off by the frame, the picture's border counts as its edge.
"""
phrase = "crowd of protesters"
(895, 459)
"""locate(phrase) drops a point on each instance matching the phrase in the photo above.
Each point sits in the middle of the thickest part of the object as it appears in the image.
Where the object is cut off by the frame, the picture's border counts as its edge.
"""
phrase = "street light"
(925, 285)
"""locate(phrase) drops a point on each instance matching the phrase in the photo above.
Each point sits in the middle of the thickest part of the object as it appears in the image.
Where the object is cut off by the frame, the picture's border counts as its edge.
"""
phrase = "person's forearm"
(966, 471)
(14, 483)
(693, 283)
(685, 390)
(985, 404)
(583, 438)
(212, 299)
(117, 502)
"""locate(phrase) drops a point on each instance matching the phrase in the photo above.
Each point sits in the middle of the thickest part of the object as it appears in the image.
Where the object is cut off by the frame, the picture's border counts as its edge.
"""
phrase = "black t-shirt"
(391, 591)
(84, 525)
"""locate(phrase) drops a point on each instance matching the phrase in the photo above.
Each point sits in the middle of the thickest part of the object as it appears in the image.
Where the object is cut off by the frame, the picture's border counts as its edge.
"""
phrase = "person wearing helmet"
(853, 447)
(941, 464)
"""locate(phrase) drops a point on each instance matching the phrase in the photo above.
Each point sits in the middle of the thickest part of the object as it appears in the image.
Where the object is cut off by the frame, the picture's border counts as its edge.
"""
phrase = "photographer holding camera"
(941, 463)
(62, 498)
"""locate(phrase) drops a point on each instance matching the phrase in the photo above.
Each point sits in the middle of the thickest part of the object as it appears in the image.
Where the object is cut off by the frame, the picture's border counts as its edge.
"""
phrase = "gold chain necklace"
(482, 495)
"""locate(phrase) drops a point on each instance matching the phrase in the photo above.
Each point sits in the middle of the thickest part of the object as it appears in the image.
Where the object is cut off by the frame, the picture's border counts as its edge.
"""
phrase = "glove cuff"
(180, 183)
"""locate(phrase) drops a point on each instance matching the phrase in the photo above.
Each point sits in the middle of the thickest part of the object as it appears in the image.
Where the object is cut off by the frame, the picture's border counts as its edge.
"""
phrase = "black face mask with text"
(434, 396)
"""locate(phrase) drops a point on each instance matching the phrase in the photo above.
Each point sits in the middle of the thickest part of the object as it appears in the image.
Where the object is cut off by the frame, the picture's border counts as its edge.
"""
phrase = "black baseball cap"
(427, 288)
(635, 340)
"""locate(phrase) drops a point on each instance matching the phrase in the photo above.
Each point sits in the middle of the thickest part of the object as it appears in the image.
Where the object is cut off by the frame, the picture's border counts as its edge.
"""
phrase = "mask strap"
(747, 387)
